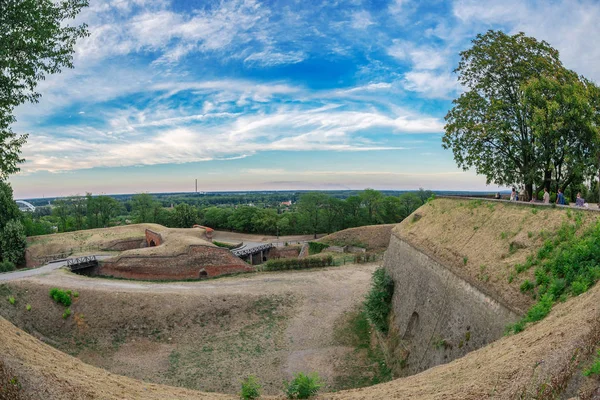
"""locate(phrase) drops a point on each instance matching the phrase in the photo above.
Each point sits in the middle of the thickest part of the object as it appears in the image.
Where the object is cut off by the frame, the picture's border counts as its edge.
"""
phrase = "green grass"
(250, 388)
(303, 386)
(61, 296)
(67, 313)
(568, 264)
(378, 302)
(593, 369)
(28, 307)
(11, 300)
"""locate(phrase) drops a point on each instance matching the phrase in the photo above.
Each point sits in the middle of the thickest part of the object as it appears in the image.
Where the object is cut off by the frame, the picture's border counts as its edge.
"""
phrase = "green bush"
(28, 307)
(60, 296)
(6, 266)
(13, 242)
(303, 386)
(316, 247)
(67, 313)
(250, 388)
(526, 286)
(378, 303)
(594, 369)
(295, 263)
(11, 300)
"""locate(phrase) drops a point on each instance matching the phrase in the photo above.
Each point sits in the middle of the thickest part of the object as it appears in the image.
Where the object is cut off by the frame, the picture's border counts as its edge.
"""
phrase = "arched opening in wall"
(413, 325)
(152, 243)
(203, 274)
(264, 258)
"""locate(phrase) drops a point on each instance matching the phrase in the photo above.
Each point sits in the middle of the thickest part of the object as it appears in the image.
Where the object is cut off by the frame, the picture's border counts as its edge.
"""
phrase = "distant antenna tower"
(196, 186)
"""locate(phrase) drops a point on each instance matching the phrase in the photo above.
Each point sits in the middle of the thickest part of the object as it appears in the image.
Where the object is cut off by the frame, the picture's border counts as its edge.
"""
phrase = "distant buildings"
(286, 203)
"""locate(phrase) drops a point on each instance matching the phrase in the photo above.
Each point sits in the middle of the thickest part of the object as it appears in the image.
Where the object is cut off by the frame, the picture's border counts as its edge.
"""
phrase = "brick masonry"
(153, 238)
(198, 262)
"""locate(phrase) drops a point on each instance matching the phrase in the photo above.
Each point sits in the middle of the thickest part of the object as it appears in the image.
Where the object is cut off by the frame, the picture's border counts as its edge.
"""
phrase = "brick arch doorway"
(203, 274)
(152, 243)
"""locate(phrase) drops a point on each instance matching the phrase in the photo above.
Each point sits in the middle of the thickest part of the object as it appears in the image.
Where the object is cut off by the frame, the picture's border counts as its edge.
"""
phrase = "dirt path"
(20, 274)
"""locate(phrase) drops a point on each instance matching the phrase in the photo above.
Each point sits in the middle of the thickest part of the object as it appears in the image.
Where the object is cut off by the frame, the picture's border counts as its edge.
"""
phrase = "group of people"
(560, 198)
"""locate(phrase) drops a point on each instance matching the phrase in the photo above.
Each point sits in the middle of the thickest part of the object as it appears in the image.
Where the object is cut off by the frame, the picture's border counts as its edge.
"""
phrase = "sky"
(271, 95)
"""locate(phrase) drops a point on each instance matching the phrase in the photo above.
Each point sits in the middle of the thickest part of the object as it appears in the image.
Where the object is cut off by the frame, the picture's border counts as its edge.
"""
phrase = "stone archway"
(152, 243)
(203, 274)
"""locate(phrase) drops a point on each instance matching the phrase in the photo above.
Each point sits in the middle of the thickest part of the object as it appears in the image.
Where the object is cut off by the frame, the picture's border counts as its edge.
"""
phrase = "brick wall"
(152, 236)
(213, 261)
(284, 252)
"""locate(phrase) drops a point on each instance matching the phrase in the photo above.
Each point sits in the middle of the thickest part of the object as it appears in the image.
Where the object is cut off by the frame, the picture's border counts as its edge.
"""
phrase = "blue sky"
(251, 95)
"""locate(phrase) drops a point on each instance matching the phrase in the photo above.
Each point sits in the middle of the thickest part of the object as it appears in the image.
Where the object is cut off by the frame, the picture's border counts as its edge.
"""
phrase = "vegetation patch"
(594, 369)
(290, 263)
(568, 264)
(316, 247)
(61, 296)
(303, 386)
(10, 387)
(378, 303)
(225, 245)
(250, 388)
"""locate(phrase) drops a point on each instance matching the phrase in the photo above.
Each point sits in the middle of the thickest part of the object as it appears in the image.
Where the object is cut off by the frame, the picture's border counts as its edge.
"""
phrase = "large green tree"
(35, 40)
(492, 126)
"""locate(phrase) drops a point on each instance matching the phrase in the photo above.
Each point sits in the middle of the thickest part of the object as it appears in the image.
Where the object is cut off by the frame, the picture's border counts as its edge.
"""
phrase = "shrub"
(28, 307)
(378, 303)
(594, 369)
(526, 286)
(60, 296)
(6, 266)
(67, 313)
(250, 388)
(11, 300)
(303, 386)
(316, 247)
(290, 263)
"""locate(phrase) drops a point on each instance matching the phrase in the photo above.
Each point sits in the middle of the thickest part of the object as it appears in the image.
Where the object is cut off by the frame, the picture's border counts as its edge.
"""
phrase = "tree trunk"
(547, 179)
(528, 191)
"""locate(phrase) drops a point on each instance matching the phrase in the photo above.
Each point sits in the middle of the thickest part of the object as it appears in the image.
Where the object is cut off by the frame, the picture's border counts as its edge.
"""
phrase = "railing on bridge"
(82, 262)
(245, 251)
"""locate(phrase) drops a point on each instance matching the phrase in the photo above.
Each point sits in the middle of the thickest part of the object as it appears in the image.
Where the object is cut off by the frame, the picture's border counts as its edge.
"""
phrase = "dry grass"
(90, 241)
(372, 237)
(482, 241)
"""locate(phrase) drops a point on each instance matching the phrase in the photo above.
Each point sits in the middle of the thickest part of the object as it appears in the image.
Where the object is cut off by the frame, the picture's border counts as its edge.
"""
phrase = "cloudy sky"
(248, 94)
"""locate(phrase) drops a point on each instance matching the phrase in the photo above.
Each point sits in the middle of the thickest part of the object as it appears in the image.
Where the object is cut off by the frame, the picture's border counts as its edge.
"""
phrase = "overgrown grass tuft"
(378, 303)
(593, 369)
(250, 388)
(303, 386)
(316, 247)
(61, 297)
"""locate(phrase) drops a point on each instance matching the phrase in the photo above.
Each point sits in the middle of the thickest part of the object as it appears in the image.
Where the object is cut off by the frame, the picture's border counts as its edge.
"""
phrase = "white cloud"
(432, 85)
(421, 57)
(361, 20)
(270, 58)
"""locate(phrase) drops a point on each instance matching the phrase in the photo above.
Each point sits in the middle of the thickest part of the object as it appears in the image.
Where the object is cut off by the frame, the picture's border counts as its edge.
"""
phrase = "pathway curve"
(19, 274)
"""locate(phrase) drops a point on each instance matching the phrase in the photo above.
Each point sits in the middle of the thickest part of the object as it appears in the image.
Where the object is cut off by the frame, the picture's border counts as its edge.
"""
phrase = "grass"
(303, 386)
(378, 302)
(568, 264)
(250, 388)
(593, 369)
(67, 313)
(11, 300)
(61, 296)
(28, 307)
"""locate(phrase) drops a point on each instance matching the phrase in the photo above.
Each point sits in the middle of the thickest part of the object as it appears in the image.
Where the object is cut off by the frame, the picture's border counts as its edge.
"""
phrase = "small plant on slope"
(303, 386)
(60, 296)
(250, 388)
(67, 313)
(593, 369)
(378, 303)
(11, 300)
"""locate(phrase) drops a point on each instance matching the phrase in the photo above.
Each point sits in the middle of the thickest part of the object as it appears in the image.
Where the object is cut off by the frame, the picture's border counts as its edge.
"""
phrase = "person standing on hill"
(560, 198)
(546, 196)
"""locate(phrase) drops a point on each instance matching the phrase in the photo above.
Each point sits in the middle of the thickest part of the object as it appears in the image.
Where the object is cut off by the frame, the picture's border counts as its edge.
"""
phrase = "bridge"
(255, 252)
(79, 263)
(25, 205)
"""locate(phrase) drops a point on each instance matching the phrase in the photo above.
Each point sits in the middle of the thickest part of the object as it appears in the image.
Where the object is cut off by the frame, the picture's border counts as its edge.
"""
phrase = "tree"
(143, 206)
(371, 200)
(310, 206)
(9, 210)
(61, 211)
(564, 128)
(489, 128)
(13, 242)
(184, 216)
(35, 41)
(408, 203)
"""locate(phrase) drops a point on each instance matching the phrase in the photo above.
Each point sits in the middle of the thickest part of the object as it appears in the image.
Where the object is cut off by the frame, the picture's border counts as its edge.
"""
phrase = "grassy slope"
(482, 241)
(372, 237)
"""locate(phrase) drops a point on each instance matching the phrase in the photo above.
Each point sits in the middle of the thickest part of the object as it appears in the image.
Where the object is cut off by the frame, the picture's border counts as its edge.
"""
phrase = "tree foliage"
(514, 122)
(35, 41)
(13, 242)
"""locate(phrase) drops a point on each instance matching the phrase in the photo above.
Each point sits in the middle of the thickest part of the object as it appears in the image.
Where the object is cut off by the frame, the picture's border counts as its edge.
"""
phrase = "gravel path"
(11, 276)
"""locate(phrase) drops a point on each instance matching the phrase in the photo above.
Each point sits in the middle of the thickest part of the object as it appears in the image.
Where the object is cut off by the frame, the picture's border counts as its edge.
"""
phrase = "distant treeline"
(265, 213)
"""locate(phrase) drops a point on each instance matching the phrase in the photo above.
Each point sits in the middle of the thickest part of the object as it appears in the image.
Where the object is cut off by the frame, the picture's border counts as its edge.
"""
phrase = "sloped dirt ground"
(529, 365)
(200, 335)
(482, 241)
(372, 237)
